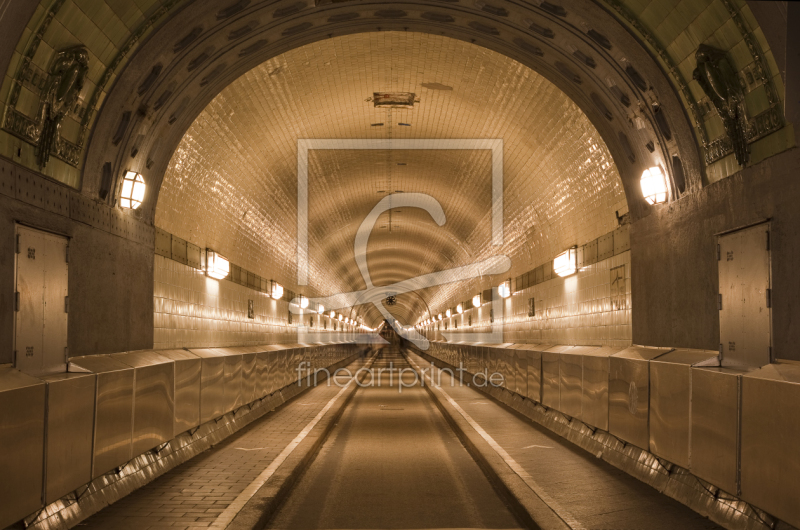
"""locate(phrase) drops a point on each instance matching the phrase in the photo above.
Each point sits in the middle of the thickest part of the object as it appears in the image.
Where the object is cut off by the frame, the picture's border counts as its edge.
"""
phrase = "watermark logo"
(376, 294)
(391, 376)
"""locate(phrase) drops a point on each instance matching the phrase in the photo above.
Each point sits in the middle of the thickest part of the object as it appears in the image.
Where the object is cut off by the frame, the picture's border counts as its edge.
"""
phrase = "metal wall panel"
(622, 239)
(670, 403)
(535, 372)
(233, 379)
(188, 368)
(520, 372)
(605, 246)
(212, 389)
(715, 426)
(629, 394)
(113, 424)
(551, 377)
(744, 280)
(770, 434)
(153, 398)
(70, 429)
(22, 402)
(570, 366)
(594, 391)
(249, 378)
(262, 374)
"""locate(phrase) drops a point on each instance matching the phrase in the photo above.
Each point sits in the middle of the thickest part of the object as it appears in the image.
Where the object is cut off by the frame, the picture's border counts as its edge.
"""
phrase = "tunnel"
(428, 264)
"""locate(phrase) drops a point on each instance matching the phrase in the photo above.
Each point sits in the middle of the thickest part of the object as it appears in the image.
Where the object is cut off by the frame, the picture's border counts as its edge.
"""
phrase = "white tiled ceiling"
(232, 183)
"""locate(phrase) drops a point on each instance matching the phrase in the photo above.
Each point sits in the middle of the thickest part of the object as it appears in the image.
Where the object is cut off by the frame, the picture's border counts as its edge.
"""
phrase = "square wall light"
(277, 290)
(566, 263)
(216, 266)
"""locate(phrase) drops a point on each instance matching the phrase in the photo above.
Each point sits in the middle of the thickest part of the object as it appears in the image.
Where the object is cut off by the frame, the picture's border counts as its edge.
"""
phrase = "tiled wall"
(585, 309)
(193, 310)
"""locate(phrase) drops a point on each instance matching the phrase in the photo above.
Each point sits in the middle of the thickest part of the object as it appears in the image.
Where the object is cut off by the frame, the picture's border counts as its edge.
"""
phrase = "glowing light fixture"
(333, 314)
(303, 302)
(459, 309)
(321, 309)
(448, 313)
(476, 300)
(341, 318)
(504, 289)
(566, 262)
(133, 188)
(217, 267)
(440, 316)
(277, 290)
(654, 185)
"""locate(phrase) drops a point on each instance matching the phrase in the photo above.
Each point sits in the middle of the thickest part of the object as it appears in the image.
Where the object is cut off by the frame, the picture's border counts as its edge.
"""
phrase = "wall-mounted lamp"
(321, 309)
(277, 290)
(476, 300)
(440, 316)
(133, 188)
(459, 309)
(303, 302)
(216, 267)
(333, 314)
(566, 263)
(504, 289)
(448, 313)
(654, 185)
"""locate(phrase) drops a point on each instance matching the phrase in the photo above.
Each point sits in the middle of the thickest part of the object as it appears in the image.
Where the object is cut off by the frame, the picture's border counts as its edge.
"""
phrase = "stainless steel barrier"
(570, 379)
(670, 402)
(188, 368)
(212, 387)
(716, 395)
(69, 428)
(153, 398)
(113, 418)
(770, 434)
(594, 389)
(629, 394)
(22, 402)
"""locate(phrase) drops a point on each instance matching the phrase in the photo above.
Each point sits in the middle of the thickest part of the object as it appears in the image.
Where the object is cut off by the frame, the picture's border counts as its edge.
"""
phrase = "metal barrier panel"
(715, 426)
(594, 392)
(113, 423)
(153, 399)
(233, 381)
(22, 400)
(262, 374)
(770, 434)
(212, 390)
(551, 377)
(670, 403)
(521, 372)
(70, 429)
(535, 375)
(570, 366)
(249, 378)
(629, 394)
(188, 368)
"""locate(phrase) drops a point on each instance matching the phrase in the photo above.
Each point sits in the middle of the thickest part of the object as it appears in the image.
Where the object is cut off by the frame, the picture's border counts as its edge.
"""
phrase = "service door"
(745, 297)
(40, 338)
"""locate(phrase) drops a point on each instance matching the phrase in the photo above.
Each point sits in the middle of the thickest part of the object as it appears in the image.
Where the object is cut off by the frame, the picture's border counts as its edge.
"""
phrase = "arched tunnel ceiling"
(232, 183)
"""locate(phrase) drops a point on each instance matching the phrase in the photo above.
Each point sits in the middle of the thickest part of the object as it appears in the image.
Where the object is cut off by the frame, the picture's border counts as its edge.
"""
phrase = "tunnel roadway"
(392, 460)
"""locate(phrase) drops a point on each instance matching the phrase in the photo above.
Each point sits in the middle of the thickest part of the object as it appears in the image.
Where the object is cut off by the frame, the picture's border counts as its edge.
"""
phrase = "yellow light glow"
(133, 188)
(566, 262)
(303, 302)
(277, 291)
(504, 289)
(217, 267)
(460, 309)
(476, 300)
(447, 313)
(654, 185)
(440, 316)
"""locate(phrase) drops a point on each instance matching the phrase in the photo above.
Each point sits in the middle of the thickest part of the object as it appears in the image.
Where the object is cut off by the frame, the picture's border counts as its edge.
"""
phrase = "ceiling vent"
(394, 100)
